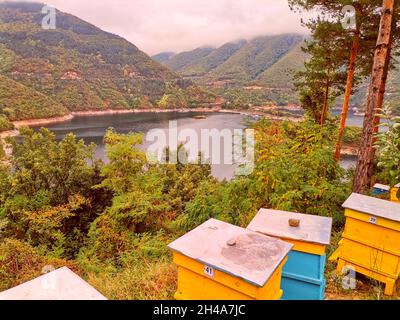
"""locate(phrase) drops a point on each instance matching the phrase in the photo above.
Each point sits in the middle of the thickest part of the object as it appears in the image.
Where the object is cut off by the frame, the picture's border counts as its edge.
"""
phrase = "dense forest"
(111, 221)
(78, 67)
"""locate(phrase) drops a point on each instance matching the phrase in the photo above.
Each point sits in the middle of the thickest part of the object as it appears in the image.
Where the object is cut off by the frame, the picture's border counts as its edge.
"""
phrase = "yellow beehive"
(219, 261)
(394, 192)
(371, 239)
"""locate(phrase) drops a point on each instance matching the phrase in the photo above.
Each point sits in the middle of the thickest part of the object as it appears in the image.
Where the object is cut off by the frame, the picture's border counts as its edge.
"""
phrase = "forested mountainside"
(241, 61)
(77, 67)
(255, 71)
(259, 71)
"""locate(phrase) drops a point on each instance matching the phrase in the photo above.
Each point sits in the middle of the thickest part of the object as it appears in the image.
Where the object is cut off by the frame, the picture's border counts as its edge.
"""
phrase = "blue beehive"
(380, 189)
(303, 274)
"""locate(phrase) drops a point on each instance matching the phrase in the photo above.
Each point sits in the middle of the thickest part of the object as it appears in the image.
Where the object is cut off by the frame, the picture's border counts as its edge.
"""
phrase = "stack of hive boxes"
(219, 261)
(371, 239)
(381, 189)
(303, 274)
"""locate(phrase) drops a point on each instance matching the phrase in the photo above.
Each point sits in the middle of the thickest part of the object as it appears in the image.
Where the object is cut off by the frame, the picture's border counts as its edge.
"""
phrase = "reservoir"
(92, 129)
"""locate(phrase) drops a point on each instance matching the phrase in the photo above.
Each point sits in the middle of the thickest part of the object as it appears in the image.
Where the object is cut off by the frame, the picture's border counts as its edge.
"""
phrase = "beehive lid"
(61, 284)
(381, 187)
(233, 250)
(373, 206)
(312, 229)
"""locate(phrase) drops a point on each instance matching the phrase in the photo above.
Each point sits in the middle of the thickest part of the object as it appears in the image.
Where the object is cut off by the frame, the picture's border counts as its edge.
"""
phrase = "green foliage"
(388, 147)
(47, 199)
(114, 220)
(20, 263)
(19, 102)
(259, 54)
(5, 124)
(77, 67)
(280, 75)
(324, 76)
(352, 136)
(174, 97)
(266, 62)
(294, 172)
(183, 60)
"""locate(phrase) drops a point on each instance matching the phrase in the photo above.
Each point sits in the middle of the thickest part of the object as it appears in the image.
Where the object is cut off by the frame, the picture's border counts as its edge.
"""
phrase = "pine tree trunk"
(382, 89)
(366, 154)
(349, 87)
(326, 102)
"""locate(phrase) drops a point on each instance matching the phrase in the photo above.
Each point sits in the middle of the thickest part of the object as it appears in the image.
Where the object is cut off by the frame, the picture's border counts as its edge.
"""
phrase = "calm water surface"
(93, 128)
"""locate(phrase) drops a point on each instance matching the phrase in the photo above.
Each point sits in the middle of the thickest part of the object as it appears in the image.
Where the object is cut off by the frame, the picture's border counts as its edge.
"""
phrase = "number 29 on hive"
(209, 271)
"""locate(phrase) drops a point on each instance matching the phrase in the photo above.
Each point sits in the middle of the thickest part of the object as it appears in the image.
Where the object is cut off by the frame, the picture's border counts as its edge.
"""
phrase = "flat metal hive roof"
(381, 187)
(61, 284)
(233, 250)
(373, 206)
(275, 223)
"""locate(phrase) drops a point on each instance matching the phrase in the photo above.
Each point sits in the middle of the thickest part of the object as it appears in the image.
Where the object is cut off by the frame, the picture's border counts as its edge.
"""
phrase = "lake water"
(93, 128)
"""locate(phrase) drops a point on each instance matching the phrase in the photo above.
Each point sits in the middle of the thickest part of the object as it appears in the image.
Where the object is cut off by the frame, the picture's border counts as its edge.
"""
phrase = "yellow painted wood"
(193, 284)
(389, 224)
(390, 284)
(307, 247)
(375, 260)
(371, 245)
(378, 236)
(335, 256)
(393, 195)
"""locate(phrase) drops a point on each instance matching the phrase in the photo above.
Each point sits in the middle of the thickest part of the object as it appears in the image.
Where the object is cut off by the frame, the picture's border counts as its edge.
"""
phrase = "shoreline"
(346, 151)
(37, 122)
(43, 121)
(136, 111)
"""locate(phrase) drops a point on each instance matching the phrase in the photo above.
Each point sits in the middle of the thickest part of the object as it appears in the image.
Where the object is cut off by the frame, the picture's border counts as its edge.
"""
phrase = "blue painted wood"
(299, 289)
(303, 277)
(305, 264)
(378, 191)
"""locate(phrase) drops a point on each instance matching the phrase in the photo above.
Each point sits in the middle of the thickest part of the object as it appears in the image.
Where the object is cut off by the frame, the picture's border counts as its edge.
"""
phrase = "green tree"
(48, 199)
(323, 78)
(388, 149)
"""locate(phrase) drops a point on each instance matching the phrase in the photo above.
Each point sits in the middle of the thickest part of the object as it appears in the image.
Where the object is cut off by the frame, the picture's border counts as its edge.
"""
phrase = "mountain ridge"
(259, 70)
(80, 67)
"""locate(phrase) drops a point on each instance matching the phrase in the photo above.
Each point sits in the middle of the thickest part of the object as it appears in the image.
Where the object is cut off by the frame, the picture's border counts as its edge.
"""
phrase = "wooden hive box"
(219, 261)
(303, 274)
(371, 239)
(380, 189)
(394, 193)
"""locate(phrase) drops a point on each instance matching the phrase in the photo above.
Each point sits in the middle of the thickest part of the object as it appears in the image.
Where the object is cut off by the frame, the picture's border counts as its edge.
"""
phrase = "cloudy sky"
(178, 25)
